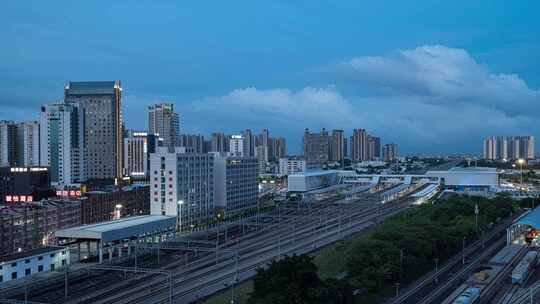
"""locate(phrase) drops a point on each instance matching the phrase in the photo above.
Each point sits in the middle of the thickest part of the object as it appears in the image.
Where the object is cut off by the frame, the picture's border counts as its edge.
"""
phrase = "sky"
(435, 77)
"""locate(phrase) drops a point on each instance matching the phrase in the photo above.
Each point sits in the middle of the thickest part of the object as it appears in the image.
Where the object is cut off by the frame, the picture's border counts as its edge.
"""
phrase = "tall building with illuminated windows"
(182, 185)
(137, 148)
(100, 103)
(8, 143)
(61, 144)
(162, 120)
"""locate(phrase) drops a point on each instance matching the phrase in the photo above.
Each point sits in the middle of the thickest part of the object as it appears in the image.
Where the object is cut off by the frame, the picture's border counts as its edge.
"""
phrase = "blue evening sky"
(432, 76)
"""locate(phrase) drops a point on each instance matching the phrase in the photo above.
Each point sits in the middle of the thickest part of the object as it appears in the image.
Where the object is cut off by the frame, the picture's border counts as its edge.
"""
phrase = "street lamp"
(117, 211)
(179, 216)
(521, 161)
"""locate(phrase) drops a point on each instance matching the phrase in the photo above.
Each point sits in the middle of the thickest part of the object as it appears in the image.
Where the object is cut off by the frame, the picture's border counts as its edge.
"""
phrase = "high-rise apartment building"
(337, 153)
(281, 148)
(62, 144)
(359, 149)
(235, 183)
(373, 148)
(236, 144)
(100, 103)
(261, 153)
(346, 149)
(162, 120)
(249, 143)
(316, 148)
(508, 147)
(8, 143)
(390, 152)
(219, 143)
(182, 185)
(28, 143)
(193, 143)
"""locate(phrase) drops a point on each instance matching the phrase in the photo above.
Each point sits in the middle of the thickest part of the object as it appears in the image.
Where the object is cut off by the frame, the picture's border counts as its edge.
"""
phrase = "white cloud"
(445, 76)
(428, 99)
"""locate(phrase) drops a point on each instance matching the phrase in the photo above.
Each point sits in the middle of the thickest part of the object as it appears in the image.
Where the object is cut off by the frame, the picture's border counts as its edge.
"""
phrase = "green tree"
(294, 280)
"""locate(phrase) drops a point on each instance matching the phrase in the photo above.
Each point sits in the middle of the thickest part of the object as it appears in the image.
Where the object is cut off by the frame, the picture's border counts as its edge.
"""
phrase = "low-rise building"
(22, 264)
(31, 225)
(312, 180)
(290, 165)
(100, 206)
(24, 184)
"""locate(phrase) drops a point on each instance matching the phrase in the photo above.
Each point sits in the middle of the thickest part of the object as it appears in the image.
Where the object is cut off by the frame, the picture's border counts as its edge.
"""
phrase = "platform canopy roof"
(119, 229)
(532, 219)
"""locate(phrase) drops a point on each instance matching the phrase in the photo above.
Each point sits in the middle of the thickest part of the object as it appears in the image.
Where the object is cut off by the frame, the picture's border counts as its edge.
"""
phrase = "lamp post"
(521, 161)
(179, 217)
(436, 270)
(117, 215)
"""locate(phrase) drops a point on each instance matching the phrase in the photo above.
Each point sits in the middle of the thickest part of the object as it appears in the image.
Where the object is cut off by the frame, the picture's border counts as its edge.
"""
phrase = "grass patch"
(241, 294)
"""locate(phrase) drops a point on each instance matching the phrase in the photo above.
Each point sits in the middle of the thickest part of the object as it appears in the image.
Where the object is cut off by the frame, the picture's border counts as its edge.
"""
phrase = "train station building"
(118, 236)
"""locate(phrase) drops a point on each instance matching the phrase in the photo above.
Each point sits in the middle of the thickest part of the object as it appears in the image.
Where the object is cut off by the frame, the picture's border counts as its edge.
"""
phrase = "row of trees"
(400, 249)
(407, 245)
(295, 280)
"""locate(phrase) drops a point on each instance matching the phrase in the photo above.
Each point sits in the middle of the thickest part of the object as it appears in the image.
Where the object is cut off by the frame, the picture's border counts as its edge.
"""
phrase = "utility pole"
(436, 270)
(400, 264)
(66, 282)
(463, 252)
(476, 211)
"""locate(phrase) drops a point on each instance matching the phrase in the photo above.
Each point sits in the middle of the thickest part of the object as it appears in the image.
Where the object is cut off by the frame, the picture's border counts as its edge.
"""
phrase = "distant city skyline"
(435, 78)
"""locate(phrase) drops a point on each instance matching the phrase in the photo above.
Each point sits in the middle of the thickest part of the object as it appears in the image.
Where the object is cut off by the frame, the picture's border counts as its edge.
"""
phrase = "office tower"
(289, 165)
(337, 146)
(359, 151)
(390, 152)
(236, 144)
(249, 143)
(281, 147)
(162, 120)
(28, 143)
(62, 144)
(100, 103)
(8, 143)
(316, 148)
(192, 142)
(235, 183)
(373, 147)
(137, 148)
(182, 185)
(219, 143)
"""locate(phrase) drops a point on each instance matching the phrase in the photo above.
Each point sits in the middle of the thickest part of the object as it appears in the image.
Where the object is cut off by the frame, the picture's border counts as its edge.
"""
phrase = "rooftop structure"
(119, 229)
